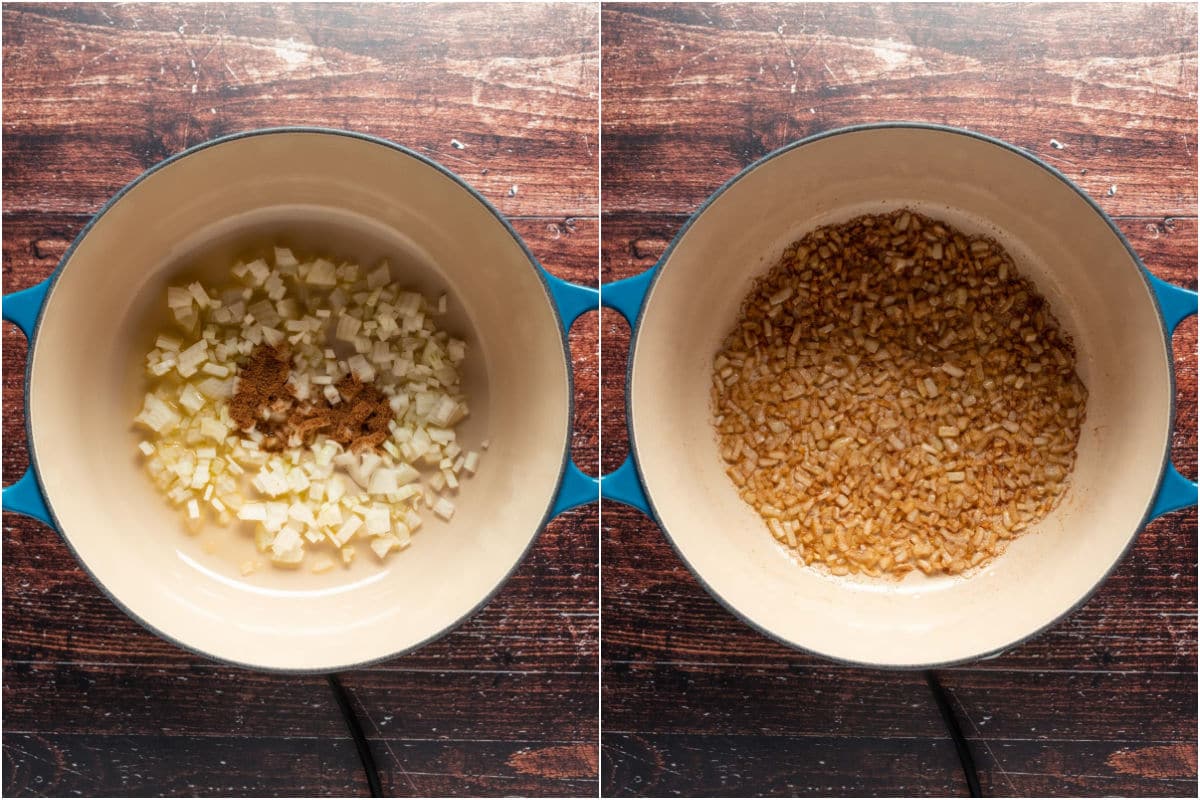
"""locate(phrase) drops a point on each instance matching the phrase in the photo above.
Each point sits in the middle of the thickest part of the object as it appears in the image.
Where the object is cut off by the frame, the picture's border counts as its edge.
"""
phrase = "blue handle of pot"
(577, 488)
(572, 301)
(627, 296)
(22, 308)
(1174, 493)
(1175, 304)
(25, 496)
(624, 486)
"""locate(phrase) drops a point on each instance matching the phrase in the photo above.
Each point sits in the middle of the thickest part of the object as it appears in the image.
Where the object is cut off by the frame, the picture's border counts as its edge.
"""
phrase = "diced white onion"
(377, 520)
(157, 415)
(444, 508)
(285, 258)
(382, 545)
(348, 529)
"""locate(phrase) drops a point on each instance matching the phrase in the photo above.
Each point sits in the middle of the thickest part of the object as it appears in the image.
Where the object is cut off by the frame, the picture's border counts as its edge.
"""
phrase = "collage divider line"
(599, 396)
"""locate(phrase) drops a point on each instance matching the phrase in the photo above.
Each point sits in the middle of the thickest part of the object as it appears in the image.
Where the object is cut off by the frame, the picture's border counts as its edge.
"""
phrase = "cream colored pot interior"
(330, 194)
(1094, 288)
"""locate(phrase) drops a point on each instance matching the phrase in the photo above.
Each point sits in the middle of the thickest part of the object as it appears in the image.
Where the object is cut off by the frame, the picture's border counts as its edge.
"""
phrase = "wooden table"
(697, 703)
(93, 95)
(694, 702)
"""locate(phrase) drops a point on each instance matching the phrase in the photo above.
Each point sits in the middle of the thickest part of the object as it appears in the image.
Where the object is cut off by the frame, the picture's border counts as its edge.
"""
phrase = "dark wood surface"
(694, 702)
(93, 95)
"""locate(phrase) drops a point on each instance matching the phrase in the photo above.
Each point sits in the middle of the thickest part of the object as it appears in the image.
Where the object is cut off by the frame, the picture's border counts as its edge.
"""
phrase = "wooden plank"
(756, 766)
(694, 94)
(433, 732)
(816, 699)
(93, 101)
(850, 766)
(555, 708)
(204, 700)
(61, 765)
(64, 764)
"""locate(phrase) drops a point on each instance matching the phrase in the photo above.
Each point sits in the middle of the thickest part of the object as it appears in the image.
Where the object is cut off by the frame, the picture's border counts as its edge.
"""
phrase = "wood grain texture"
(96, 95)
(894, 766)
(697, 703)
(52, 764)
(694, 94)
(504, 704)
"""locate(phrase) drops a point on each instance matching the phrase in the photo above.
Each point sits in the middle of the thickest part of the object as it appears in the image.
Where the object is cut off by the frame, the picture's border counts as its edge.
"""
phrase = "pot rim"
(659, 268)
(539, 270)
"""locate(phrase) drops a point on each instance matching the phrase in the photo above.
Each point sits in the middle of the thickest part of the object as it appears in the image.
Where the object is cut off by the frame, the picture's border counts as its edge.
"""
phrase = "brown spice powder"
(264, 400)
(262, 381)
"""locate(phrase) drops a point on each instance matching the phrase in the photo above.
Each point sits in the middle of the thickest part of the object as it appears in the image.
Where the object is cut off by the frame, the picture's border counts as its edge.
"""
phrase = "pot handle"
(627, 297)
(622, 484)
(22, 308)
(25, 496)
(572, 301)
(1175, 304)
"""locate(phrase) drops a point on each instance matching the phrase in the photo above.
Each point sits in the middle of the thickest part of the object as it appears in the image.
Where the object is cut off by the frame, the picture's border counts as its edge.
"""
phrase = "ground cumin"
(262, 382)
(266, 401)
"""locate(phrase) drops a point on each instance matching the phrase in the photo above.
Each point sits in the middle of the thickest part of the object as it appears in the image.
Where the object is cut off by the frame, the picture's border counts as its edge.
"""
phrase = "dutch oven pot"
(1119, 315)
(91, 323)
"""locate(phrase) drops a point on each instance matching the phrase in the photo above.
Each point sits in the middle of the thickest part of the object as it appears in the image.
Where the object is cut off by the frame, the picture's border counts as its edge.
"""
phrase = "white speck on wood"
(292, 53)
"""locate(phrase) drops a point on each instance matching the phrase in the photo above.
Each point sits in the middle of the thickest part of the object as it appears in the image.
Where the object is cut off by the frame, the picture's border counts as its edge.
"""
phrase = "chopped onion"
(285, 258)
(379, 277)
(276, 516)
(179, 298)
(444, 508)
(257, 272)
(157, 415)
(378, 519)
(191, 399)
(189, 360)
(321, 273)
(347, 531)
(382, 545)
(287, 547)
(304, 497)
